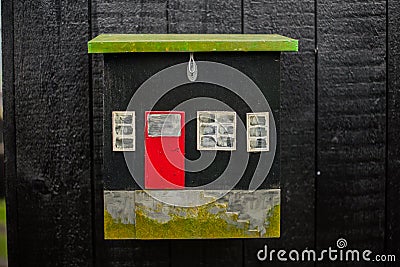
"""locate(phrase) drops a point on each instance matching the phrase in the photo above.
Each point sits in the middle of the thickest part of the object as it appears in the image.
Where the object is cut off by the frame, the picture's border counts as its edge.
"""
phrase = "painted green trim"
(127, 43)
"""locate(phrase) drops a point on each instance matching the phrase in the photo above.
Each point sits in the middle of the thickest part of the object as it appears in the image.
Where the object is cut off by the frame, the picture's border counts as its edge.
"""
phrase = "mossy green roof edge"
(129, 43)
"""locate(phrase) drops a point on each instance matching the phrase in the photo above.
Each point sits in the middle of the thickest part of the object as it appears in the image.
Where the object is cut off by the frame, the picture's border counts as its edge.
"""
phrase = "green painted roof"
(127, 43)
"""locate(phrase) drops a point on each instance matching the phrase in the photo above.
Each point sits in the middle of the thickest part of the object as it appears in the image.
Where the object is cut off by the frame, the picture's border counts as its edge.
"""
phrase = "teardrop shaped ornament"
(192, 69)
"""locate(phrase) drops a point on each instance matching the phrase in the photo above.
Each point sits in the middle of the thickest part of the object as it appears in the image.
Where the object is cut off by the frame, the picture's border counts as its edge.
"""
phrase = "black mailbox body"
(191, 144)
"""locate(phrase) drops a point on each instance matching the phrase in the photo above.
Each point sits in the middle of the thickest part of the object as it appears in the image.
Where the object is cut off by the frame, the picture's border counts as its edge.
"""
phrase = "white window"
(216, 130)
(123, 130)
(258, 132)
(164, 125)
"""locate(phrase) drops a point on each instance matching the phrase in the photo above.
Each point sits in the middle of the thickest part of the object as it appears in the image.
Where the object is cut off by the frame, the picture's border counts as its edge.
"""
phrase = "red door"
(164, 150)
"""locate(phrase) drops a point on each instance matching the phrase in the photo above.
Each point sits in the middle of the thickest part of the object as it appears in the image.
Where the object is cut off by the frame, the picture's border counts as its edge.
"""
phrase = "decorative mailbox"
(191, 135)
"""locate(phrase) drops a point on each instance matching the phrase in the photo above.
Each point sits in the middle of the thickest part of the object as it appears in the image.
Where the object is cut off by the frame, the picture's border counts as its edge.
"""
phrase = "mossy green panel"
(3, 231)
(127, 43)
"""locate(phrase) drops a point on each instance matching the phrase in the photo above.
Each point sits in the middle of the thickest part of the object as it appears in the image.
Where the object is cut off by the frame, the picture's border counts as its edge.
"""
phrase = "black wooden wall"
(340, 123)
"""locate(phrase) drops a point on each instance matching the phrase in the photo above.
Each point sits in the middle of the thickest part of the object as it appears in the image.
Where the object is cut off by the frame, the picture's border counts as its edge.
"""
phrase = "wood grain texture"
(294, 19)
(122, 16)
(351, 124)
(131, 70)
(125, 16)
(393, 144)
(53, 202)
(7, 16)
(205, 16)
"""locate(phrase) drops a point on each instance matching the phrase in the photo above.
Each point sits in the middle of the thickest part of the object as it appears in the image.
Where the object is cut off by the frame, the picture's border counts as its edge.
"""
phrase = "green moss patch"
(205, 225)
(273, 222)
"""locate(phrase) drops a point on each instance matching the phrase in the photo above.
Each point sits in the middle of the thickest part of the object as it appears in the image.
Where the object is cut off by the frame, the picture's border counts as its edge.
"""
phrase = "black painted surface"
(351, 125)
(124, 75)
(348, 132)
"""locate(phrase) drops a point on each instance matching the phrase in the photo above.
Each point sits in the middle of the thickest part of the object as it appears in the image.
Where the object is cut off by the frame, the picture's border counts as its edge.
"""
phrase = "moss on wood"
(206, 225)
(116, 230)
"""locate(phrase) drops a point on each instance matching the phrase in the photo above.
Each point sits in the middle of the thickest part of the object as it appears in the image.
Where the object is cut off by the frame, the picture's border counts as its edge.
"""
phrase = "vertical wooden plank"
(52, 134)
(125, 16)
(351, 124)
(294, 19)
(122, 16)
(205, 17)
(2, 176)
(393, 145)
(7, 17)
